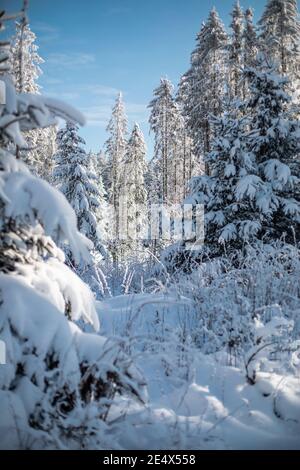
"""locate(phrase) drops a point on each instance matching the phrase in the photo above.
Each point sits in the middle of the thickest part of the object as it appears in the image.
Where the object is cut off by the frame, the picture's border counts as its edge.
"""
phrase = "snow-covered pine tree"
(250, 40)
(102, 168)
(250, 47)
(152, 181)
(191, 164)
(104, 216)
(102, 211)
(236, 52)
(280, 29)
(96, 167)
(229, 221)
(47, 145)
(166, 124)
(250, 192)
(133, 195)
(203, 87)
(25, 68)
(24, 60)
(274, 140)
(182, 163)
(115, 151)
(115, 148)
(75, 178)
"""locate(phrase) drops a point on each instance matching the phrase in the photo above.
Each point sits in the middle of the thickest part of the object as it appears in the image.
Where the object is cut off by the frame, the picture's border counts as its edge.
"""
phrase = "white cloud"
(45, 31)
(102, 90)
(51, 80)
(44, 27)
(71, 59)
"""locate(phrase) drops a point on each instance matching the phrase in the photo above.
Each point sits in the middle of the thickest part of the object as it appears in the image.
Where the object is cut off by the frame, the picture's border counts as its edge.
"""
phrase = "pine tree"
(76, 181)
(273, 139)
(236, 52)
(25, 60)
(203, 87)
(115, 148)
(133, 193)
(25, 67)
(166, 124)
(102, 168)
(152, 181)
(45, 152)
(96, 167)
(229, 221)
(192, 165)
(280, 28)
(102, 211)
(249, 195)
(250, 40)
(250, 48)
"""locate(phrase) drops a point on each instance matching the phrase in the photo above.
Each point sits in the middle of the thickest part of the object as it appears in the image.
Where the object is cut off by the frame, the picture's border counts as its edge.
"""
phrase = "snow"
(230, 170)
(10, 164)
(62, 287)
(31, 197)
(214, 407)
(38, 320)
(228, 233)
(36, 332)
(247, 186)
(33, 112)
(207, 355)
(275, 170)
(12, 411)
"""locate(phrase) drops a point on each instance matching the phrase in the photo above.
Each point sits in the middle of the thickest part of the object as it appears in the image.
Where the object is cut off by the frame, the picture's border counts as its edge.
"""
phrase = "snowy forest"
(150, 299)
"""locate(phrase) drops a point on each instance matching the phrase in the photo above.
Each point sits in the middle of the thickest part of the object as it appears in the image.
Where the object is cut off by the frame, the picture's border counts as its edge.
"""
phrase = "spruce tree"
(190, 164)
(166, 124)
(236, 52)
(115, 148)
(250, 194)
(250, 40)
(182, 163)
(77, 182)
(250, 48)
(133, 193)
(203, 87)
(24, 60)
(25, 64)
(115, 151)
(273, 139)
(280, 28)
(102, 213)
(229, 221)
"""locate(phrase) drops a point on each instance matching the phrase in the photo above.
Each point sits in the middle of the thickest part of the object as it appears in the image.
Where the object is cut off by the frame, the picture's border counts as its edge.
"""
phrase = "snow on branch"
(31, 197)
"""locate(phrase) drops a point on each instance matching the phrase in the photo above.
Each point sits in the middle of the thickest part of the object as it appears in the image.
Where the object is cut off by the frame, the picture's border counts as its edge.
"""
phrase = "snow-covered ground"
(195, 401)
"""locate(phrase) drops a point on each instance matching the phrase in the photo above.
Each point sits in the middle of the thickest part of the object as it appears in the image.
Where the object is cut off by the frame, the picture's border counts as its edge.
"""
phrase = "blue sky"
(95, 48)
